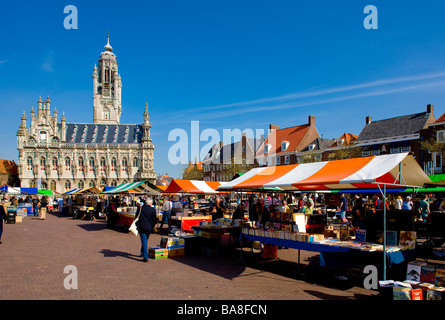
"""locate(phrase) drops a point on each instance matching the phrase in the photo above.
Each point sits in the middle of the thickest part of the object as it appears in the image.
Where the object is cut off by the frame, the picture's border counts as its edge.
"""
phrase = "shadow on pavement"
(113, 253)
(93, 226)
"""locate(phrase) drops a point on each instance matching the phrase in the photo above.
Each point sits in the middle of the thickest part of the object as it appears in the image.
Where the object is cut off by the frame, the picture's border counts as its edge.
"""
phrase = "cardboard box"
(176, 252)
(157, 253)
(172, 242)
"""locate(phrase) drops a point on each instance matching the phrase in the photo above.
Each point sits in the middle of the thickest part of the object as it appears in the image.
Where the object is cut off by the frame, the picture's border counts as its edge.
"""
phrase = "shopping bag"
(133, 229)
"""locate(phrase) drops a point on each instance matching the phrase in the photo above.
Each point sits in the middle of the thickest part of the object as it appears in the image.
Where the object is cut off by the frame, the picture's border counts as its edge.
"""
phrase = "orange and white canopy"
(365, 172)
(193, 186)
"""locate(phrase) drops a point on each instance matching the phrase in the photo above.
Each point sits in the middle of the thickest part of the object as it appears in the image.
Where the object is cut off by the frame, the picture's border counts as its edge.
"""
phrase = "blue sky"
(227, 64)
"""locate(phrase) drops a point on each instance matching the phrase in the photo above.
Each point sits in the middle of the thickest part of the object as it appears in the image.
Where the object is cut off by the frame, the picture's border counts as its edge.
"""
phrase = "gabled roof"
(394, 127)
(320, 144)
(348, 138)
(441, 119)
(225, 153)
(293, 135)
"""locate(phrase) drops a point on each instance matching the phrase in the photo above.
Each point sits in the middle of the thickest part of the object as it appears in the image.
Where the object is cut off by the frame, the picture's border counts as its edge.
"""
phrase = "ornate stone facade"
(62, 156)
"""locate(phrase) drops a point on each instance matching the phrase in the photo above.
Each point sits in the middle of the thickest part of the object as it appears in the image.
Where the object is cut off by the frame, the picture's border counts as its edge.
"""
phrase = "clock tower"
(107, 88)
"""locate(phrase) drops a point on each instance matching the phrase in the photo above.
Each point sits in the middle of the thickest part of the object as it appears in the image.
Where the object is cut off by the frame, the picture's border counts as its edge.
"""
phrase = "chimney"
(274, 127)
(368, 120)
(221, 144)
(429, 108)
(311, 121)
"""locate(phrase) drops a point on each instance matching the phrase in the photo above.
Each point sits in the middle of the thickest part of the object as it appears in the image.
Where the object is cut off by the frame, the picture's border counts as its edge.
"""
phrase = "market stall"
(84, 201)
(127, 211)
(376, 172)
(191, 187)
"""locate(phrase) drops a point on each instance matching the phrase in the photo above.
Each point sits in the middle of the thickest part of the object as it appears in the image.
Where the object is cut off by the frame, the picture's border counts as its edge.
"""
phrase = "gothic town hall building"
(61, 156)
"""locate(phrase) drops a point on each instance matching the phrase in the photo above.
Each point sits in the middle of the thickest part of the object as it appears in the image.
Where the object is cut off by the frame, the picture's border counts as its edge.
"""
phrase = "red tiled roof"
(294, 135)
(347, 137)
(441, 118)
(8, 166)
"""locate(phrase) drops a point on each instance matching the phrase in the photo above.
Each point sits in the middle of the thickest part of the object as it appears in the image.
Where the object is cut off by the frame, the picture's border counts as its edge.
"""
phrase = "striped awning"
(87, 190)
(135, 187)
(356, 173)
(193, 186)
(73, 191)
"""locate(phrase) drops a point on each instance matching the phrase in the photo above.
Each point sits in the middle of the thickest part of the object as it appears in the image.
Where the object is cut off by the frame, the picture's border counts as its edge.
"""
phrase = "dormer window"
(284, 145)
(311, 147)
(340, 142)
(267, 148)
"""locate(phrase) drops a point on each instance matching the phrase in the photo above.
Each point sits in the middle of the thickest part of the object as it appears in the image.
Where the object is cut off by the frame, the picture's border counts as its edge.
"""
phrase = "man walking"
(147, 220)
(166, 209)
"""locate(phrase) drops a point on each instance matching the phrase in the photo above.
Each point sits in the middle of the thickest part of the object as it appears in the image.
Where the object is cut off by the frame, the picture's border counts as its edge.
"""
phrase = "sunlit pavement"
(34, 254)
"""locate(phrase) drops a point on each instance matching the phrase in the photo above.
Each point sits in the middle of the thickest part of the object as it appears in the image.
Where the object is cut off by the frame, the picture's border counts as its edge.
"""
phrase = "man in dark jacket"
(147, 220)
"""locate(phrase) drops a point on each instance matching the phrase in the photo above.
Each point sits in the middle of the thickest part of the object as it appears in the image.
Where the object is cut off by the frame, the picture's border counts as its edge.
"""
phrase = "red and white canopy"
(193, 186)
(365, 172)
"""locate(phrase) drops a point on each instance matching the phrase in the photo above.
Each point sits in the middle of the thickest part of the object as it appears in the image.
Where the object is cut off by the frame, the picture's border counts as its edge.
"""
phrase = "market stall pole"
(357, 173)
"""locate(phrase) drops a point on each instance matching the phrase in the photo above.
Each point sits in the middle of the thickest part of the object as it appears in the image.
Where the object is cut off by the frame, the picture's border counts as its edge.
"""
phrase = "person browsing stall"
(220, 210)
(145, 225)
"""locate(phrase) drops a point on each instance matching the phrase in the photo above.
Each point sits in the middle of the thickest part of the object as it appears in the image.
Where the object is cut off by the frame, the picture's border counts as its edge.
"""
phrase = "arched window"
(54, 163)
(91, 164)
(113, 164)
(32, 184)
(42, 136)
(124, 164)
(67, 164)
(80, 184)
(67, 186)
(52, 185)
(80, 162)
(103, 182)
(29, 163)
(102, 164)
(113, 183)
(106, 114)
(42, 163)
(135, 162)
(44, 186)
(92, 183)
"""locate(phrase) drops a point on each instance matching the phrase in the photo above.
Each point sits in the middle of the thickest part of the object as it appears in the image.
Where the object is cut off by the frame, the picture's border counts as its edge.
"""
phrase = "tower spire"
(108, 47)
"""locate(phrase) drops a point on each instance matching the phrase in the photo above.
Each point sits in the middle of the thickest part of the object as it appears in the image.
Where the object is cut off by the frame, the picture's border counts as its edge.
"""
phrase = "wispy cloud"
(48, 62)
(322, 96)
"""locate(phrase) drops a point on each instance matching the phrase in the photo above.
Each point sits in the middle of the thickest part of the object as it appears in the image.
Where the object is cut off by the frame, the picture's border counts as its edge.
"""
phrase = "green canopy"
(46, 192)
(436, 180)
(136, 187)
